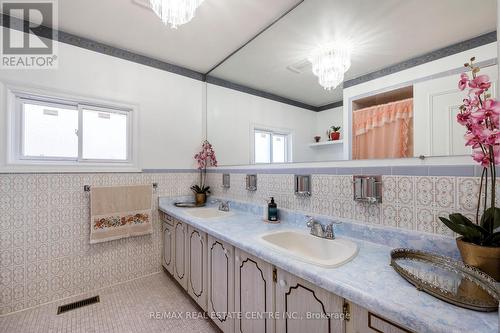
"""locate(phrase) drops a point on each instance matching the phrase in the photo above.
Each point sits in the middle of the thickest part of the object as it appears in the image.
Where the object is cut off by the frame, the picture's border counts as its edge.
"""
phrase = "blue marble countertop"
(367, 280)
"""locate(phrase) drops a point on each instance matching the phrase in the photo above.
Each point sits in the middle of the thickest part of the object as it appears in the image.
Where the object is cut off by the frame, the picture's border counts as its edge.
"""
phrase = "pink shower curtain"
(383, 131)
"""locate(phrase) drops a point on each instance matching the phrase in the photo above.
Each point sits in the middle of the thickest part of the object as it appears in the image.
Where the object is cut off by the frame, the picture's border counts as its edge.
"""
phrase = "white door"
(221, 284)
(180, 246)
(436, 105)
(305, 307)
(168, 247)
(197, 266)
(254, 294)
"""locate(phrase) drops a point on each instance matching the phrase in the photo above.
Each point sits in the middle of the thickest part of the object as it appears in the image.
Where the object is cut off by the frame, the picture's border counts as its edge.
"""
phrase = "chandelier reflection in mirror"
(330, 62)
(175, 12)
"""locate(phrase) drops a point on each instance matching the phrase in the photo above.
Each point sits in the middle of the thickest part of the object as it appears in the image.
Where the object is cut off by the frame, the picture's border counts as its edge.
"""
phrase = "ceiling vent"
(300, 67)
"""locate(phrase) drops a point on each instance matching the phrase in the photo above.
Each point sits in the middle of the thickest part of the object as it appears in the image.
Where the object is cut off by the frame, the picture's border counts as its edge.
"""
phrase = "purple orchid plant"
(205, 158)
(480, 114)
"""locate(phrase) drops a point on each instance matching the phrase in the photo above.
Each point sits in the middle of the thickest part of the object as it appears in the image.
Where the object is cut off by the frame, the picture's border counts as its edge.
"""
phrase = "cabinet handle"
(282, 283)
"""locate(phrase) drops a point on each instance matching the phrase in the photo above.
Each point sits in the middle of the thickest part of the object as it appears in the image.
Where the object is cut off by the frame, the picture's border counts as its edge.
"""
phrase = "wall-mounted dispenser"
(251, 183)
(303, 185)
(226, 180)
(367, 188)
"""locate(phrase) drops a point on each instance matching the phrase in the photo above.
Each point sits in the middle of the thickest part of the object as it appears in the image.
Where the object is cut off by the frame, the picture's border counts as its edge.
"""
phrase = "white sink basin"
(207, 213)
(311, 249)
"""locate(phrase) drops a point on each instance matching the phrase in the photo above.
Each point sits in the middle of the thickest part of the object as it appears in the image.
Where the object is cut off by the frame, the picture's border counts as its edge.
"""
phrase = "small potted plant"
(334, 133)
(205, 158)
(479, 244)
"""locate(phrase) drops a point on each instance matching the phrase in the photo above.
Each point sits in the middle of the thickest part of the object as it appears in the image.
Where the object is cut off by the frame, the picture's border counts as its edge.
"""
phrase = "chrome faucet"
(318, 230)
(223, 205)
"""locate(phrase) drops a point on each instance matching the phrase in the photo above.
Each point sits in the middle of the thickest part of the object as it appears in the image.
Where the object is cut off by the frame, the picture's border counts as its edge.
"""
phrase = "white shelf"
(326, 143)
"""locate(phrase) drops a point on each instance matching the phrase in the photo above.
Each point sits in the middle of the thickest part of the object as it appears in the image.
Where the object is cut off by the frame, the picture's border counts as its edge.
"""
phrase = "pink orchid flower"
(472, 139)
(490, 109)
(490, 137)
(464, 80)
(480, 82)
(476, 92)
(206, 157)
(480, 114)
(481, 158)
(471, 101)
(463, 118)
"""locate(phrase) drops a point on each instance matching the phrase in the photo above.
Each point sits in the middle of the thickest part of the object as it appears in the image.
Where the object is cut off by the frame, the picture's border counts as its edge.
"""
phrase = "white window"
(271, 146)
(50, 130)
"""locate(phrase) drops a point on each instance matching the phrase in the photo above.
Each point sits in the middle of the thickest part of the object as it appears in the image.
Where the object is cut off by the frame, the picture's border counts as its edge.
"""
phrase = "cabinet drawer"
(166, 218)
(364, 321)
(379, 324)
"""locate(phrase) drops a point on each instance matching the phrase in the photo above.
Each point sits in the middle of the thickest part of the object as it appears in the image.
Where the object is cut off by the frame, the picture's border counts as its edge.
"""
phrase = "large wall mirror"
(350, 80)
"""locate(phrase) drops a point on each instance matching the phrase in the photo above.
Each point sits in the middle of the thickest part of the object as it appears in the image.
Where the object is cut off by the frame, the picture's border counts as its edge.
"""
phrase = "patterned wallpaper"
(45, 253)
(409, 202)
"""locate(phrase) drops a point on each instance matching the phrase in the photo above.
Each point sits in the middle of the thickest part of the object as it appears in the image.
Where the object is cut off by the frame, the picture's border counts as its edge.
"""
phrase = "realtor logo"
(27, 42)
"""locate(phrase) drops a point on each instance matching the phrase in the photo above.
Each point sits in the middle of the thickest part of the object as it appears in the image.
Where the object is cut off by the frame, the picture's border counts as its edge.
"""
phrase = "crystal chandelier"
(175, 12)
(329, 63)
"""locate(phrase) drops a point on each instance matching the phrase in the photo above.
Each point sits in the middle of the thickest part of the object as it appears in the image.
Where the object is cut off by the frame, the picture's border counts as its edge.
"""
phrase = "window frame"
(17, 97)
(287, 134)
(19, 106)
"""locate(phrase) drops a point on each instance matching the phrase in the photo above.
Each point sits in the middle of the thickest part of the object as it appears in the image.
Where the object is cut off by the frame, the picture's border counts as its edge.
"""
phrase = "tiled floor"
(127, 307)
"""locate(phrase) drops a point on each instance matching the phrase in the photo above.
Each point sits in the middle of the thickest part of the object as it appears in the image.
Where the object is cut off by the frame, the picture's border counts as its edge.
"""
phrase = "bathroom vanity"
(228, 269)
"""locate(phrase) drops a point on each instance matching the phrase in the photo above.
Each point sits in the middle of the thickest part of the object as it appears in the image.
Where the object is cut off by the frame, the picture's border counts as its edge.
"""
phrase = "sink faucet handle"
(224, 205)
(329, 232)
(309, 221)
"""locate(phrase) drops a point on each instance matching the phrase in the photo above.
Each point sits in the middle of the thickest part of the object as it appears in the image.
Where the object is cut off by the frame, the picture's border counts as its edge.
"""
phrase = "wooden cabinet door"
(180, 246)
(197, 266)
(305, 308)
(168, 248)
(254, 294)
(364, 321)
(221, 284)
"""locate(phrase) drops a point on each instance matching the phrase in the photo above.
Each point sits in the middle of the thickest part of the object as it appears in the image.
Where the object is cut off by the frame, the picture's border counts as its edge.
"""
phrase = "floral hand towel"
(120, 211)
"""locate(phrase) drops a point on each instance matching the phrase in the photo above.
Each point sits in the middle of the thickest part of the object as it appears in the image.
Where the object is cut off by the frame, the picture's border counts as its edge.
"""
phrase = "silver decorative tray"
(188, 204)
(447, 279)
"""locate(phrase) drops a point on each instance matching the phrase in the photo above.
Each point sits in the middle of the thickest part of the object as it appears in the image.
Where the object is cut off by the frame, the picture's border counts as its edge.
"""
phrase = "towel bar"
(86, 188)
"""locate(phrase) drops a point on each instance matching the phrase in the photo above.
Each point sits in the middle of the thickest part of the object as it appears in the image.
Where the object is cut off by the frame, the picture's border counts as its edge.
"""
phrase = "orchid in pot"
(205, 158)
(479, 243)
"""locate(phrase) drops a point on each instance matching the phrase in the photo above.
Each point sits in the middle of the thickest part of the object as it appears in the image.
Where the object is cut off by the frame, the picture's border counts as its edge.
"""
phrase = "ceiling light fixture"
(175, 12)
(330, 62)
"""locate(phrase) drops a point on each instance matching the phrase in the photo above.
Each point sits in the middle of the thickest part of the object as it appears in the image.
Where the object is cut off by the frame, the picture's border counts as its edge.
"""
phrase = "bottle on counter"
(272, 211)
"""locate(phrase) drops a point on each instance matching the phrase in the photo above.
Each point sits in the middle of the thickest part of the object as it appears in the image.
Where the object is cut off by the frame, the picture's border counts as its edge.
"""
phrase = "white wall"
(231, 115)
(327, 118)
(169, 105)
(406, 77)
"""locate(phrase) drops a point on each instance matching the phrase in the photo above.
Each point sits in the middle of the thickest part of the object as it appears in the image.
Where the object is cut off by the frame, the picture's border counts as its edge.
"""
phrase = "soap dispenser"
(272, 211)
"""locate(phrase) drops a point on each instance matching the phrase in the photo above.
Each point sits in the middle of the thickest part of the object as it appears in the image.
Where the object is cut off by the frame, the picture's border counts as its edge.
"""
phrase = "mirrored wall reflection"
(398, 62)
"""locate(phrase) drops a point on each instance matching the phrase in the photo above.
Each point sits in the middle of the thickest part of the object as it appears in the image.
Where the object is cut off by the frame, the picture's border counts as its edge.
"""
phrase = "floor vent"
(77, 304)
